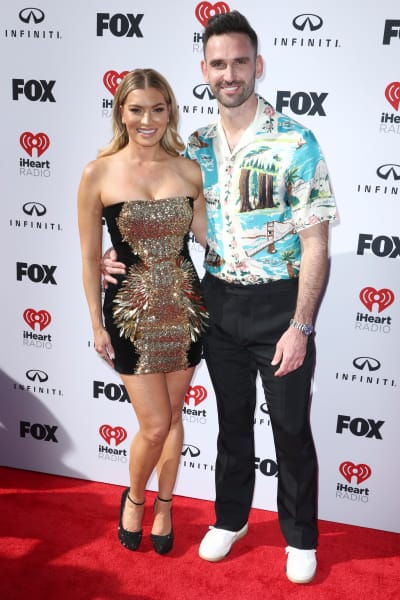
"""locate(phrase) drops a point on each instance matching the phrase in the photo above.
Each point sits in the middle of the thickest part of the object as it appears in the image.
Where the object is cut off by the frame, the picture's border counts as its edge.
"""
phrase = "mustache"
(229, 83)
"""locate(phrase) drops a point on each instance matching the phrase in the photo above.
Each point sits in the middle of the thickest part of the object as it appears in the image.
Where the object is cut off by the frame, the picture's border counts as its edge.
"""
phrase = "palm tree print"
(287, 256)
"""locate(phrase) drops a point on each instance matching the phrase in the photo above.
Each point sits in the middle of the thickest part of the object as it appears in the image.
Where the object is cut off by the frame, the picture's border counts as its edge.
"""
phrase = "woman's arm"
(90, 210)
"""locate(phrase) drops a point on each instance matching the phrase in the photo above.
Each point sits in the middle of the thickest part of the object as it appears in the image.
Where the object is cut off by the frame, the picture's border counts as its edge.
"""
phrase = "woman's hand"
(103, 346)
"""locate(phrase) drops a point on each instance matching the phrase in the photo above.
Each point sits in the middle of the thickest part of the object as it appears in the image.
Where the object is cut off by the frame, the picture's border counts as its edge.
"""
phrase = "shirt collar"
(265, 121)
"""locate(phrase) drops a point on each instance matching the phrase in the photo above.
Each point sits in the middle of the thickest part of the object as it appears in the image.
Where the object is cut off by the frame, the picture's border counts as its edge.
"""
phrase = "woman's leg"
(150, 399)
(168, 464)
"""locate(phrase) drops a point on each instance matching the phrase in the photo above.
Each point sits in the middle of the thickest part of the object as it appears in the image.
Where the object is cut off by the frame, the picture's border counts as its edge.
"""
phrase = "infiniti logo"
(31, 14)
(313, 22)
(264, 408)
(389, 170)
(34, 374)
(34, 208)
(193, 451)
(366, 362)
(202, 90)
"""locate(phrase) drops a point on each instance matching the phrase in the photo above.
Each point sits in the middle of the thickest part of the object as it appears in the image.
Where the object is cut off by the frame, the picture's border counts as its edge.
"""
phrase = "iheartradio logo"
(382, 298)
(108, 433)
(39, 141)
(360, 472)
(392, 94)
(205, 10)
(195, 394)
(42, 318)
(112, 79)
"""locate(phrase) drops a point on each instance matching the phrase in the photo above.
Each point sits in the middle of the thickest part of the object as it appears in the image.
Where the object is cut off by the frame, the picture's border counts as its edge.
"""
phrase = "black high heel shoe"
(162, 543)
(129, 539)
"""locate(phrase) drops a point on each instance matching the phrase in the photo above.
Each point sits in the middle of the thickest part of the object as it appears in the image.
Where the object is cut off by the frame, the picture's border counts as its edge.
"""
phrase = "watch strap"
(306, 328)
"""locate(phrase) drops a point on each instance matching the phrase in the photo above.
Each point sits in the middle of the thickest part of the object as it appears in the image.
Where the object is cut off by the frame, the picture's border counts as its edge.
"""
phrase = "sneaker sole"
(218, 558)
(300, 581)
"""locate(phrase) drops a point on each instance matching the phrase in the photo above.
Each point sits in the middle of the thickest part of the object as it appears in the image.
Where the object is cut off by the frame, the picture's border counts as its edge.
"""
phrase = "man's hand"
(290, 351)
(110, 266)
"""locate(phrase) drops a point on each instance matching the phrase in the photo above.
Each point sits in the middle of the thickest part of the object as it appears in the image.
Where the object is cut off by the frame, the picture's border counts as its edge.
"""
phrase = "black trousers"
(245, 324)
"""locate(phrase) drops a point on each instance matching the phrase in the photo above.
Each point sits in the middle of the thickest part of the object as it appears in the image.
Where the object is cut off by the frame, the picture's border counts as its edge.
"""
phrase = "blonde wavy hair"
(141, 79)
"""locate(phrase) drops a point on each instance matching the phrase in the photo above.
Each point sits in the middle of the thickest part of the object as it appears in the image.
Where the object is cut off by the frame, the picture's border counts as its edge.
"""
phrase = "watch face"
(308, 329)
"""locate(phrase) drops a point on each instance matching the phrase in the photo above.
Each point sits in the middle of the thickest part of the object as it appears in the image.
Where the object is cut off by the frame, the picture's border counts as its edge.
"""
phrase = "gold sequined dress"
(155, 315)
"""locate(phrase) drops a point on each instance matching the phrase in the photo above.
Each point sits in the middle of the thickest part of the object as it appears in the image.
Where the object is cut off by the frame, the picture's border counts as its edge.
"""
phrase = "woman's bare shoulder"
(97, 169)
(188, 162)
(190, 166)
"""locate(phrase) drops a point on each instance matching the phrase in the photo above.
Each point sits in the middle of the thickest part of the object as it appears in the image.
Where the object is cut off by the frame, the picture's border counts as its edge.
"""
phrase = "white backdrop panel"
(63, 410)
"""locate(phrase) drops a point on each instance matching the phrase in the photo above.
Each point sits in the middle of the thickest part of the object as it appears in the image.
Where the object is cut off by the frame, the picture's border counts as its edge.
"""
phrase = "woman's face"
(145, 114)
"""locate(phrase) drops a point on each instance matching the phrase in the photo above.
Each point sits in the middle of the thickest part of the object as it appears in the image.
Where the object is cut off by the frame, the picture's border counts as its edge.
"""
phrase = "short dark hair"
(230, 22)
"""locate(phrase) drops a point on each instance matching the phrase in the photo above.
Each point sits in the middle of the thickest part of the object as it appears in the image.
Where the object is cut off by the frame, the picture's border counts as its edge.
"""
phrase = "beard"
(247, 89)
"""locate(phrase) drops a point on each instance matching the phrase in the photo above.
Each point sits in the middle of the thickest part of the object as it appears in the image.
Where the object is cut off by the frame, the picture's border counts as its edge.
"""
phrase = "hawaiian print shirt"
(259, 196)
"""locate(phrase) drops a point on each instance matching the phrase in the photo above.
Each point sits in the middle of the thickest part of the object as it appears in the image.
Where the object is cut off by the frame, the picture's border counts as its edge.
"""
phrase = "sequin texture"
(159, 307)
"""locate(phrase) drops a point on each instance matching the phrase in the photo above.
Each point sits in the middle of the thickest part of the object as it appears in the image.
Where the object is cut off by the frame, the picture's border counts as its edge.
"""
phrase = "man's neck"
(236, 120)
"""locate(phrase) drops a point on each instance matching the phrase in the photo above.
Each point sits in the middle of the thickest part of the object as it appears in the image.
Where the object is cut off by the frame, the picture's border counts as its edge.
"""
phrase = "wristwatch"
(306, 328)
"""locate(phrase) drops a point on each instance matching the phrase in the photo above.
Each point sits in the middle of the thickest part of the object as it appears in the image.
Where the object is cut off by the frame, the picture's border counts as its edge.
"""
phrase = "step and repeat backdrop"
(332, 66)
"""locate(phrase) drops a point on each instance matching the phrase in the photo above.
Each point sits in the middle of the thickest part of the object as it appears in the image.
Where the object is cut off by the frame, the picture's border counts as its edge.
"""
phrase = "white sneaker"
(301, 565)
(217, 543)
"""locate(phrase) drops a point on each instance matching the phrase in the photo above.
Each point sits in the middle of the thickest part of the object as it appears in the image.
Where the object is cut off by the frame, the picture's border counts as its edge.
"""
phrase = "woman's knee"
(156, 434)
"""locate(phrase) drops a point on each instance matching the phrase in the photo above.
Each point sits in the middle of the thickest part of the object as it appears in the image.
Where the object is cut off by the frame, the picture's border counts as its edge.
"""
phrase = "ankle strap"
(135, 503)
(163, 499)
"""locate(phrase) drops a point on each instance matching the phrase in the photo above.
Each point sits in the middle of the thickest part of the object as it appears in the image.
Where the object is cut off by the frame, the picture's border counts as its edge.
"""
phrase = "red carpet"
(59, 541)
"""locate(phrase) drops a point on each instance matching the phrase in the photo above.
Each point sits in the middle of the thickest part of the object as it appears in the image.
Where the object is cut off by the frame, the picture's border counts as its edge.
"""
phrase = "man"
(268, 207)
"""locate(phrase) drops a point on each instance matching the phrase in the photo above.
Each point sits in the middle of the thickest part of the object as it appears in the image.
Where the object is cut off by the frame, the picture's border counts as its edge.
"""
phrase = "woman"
(154, 316)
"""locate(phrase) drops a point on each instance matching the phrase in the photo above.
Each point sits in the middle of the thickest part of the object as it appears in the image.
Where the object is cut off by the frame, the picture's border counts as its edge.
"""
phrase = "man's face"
(230, 68)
